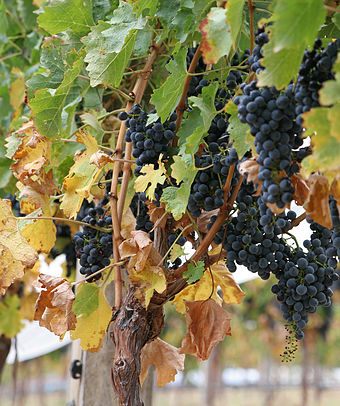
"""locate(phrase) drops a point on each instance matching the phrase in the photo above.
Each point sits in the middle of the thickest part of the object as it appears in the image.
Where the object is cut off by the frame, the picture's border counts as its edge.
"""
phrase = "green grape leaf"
(237, 131)
(61, 15)
(330, 93)
(183, 168)
(206, 103)
(216, 35)
(109, 46)
(26, 10)
(281, 67)
(166, 97)
(191, 121)
(296, 22)
(235, 18)
(52, 67)
(176, 199)
(143, 42)
(194, 272)
(3, 18)
(295, 28)
(206, 106)
(47, 105)
(10, 317)
(87, 299)
(146, 7)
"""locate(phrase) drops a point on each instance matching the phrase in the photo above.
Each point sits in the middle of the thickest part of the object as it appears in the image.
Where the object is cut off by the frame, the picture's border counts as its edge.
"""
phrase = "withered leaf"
(100, 159)
(208, 324)
(166, 359)
(301, 189)
(317, 203)
(54, 305)
(137, 248)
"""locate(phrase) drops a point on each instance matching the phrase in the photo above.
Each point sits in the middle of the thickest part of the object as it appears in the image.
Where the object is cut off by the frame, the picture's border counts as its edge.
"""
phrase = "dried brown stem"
(138, 91)
(203, 247)
(117, 208)
(182, 102)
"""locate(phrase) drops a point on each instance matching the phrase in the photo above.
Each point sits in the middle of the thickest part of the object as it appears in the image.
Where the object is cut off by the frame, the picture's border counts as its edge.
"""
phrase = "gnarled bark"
(133, 327)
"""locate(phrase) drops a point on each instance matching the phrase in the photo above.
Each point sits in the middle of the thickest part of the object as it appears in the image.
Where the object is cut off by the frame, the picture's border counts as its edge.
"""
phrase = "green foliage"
(194, 272)
(87, 300)
(294, 29)
(48, 107)
(62, 15)
(167, 96)
(238, 131)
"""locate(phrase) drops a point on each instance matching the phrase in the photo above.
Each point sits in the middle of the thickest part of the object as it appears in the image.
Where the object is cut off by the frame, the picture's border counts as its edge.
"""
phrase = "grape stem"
(297, 221)
(64, 220)
(117, 205)
(98, 272)
(223, 214)
(182, 102)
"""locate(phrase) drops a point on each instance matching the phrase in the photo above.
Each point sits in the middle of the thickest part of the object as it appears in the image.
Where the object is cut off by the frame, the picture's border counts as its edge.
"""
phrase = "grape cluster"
(207, 188)
(306, 279)
(94, 247)
(234, 77)
(140, 211)
(252, 237)
(316, 68)
(148, 141)
(270, 115)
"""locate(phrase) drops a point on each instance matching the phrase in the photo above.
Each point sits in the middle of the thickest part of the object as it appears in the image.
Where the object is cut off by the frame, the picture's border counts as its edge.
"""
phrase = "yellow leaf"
(41, 234)
(91, 330)
(15, 252)
(166, 359)
(151, 279)
(17, 93)
(232, 293)
(151, 176)
(202, 290)
(81, 177)
(32, 155)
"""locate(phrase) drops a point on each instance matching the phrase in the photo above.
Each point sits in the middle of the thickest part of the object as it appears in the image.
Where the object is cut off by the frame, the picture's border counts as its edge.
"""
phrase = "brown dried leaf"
(207, 324)
(32, 155)
(166, 359)
(335, 191)
(317, 204)
(54, 305)
(251, 167)
(137, 249)
(301, 189)
(159, 216)
(100, 159)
